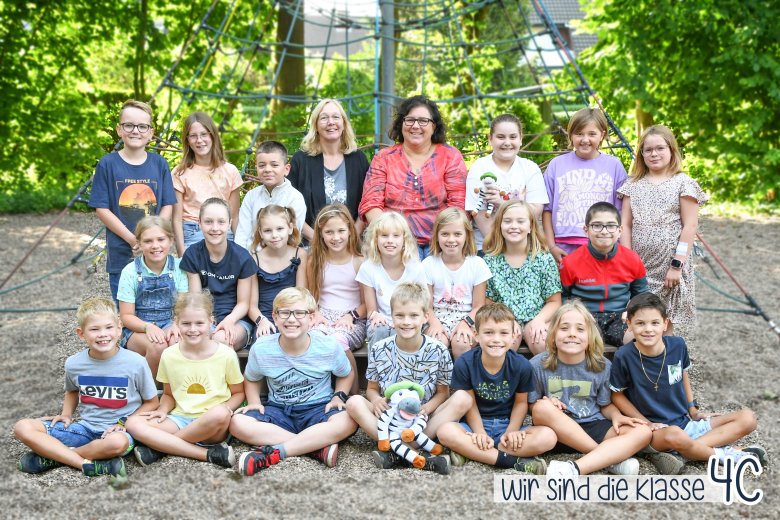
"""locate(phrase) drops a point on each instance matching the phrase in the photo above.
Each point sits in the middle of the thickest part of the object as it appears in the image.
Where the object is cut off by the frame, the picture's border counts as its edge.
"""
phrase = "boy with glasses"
(128, 186)
(303, 414)
(604, 274)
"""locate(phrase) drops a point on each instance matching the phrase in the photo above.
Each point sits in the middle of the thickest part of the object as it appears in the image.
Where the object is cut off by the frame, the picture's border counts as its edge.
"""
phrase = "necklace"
(661, 371)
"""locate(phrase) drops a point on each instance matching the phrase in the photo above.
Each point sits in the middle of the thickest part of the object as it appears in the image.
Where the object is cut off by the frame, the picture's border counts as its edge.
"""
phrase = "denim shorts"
(193, 234)
(248, 328)
(495, 427)
(181, 421)
(126, 333)
(77, 435)
(596, 430)
(696, 429)
(294, 418)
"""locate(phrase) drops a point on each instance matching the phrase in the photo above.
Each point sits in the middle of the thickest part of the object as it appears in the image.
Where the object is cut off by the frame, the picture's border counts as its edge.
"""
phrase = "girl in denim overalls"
(147, 292)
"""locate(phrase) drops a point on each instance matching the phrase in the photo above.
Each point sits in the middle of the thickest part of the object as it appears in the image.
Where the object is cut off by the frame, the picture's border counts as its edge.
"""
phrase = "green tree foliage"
(709, 69)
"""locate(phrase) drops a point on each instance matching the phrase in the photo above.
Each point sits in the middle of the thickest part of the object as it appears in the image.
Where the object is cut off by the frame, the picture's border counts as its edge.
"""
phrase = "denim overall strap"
(155, 295)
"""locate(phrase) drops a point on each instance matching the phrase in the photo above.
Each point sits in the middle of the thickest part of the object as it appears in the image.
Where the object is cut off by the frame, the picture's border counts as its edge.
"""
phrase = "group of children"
(479, 302)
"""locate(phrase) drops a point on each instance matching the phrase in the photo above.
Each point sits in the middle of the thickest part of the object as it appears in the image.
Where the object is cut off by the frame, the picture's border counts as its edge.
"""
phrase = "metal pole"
(387, 84)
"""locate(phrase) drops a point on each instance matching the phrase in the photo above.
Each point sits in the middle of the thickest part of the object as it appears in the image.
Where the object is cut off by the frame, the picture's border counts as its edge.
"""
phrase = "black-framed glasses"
(194, 137)
(129, 127)
(298, 313)
(598, 228)
(422, 121)
(658, 149)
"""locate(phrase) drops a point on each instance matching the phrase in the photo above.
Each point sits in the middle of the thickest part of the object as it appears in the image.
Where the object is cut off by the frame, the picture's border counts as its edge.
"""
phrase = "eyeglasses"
(335, 118)
(129, 127)
(598, 228)
(203, 135)
(658, 149)
(298, 313)
(422, 121)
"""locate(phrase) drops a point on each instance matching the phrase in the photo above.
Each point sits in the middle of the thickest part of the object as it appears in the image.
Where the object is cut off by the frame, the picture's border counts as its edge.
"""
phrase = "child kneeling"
(650, 381)
(303, 414)
(498, 380)
(202, 387)
(110, 383)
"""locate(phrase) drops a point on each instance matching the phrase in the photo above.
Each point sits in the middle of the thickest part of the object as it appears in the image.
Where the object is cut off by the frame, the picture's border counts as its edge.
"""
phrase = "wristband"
(258, 320)
(341, 395)
(693, 404)
(468, 320)
(354, 314)
(682, 249)
(146, 326)
(676, 264)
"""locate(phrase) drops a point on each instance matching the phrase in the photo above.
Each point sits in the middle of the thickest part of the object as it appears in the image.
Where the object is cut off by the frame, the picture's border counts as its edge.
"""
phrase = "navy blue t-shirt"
(221, 279)
(131, 192)
(495, 393)
(668, 404)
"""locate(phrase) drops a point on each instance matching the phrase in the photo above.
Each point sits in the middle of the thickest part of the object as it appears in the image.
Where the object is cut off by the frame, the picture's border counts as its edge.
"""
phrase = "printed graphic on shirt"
(296, 385)
(675, 373)
(103, 392)
(333, 194)
(454, 296)
(579, 393)
(137, 200)
(491, 391)
(580, 189)
(196, 386)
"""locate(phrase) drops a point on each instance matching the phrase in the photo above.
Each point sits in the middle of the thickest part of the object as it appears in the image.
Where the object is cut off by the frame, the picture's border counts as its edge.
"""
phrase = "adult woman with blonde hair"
(329, 169)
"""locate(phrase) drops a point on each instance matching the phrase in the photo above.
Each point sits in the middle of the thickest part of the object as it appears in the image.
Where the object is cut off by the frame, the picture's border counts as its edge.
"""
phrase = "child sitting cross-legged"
(109, 383)
(304, 414)
(499, 380)
(409, 355)
(650, 381)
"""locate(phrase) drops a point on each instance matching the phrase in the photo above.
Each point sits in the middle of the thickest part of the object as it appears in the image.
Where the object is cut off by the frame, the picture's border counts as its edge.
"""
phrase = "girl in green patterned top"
(525, 275)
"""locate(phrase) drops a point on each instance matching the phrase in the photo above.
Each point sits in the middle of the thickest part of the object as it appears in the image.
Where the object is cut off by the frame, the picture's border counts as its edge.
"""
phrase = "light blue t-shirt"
(303, 379)
(128, 281)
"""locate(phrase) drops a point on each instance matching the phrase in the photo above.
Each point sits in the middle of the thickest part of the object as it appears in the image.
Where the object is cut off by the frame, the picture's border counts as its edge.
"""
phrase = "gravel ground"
(735, 359)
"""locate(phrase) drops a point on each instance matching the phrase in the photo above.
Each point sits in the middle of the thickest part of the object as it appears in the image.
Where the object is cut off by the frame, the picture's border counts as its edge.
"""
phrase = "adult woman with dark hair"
(420, 175)
(328, 169)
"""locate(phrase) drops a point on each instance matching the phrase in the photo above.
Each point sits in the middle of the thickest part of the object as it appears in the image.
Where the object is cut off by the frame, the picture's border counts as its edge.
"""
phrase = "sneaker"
(385, 459)
(666, 463)
(438, 464)
(759, 452)
(253, 461)
(115, 467)
(629, 466)
(329, 455)
(221, 455)
(146, 455)
(562, 468)
(34, 463)
(457, 460)
(535, 465)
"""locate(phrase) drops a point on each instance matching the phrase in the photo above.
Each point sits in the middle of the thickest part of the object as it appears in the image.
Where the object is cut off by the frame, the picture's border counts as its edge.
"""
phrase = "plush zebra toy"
(402, 423)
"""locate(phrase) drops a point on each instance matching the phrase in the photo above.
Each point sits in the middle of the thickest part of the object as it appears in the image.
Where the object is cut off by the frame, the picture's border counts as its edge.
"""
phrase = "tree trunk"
(292, 78)
(644, 120)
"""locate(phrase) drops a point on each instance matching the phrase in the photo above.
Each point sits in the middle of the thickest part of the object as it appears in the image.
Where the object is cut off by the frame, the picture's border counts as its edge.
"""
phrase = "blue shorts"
(77, 435)
(126, 333)
(596, 430)
(193, 234)
(696, 429)
(248, 328)
(495, 427)
(296, 418)
(181, 421)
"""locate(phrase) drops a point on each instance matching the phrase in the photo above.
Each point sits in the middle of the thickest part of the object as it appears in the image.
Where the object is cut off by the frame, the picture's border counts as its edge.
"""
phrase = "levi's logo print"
(103, 392)
(137, 200)
(675, 373)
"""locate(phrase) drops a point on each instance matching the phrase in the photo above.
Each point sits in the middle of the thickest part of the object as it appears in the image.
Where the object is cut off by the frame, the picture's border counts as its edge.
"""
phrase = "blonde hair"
(93, 306)
(583, 117)
(193, 300)
(279, 211)
(319, 252)
(311, 141)
(450, 216)
(494, 311)
(383, 223)
(594, 352)
(639, 168)
(292, 295)
(153, 221)
(217, 153)
(214, 201)
(409, 292)
(140, 105)
(495, 244)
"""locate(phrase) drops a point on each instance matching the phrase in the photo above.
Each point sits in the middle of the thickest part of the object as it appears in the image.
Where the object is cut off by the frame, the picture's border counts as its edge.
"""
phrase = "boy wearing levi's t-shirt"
(110, 384)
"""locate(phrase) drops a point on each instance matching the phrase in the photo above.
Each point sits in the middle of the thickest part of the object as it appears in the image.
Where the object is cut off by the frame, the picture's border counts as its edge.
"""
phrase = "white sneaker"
(562, 468)
(756, 452)
(627, 467)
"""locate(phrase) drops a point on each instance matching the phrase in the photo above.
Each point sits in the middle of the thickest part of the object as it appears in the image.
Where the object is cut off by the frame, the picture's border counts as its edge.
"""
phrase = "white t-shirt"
(523, 181)
(374, 275)
(453, 290)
